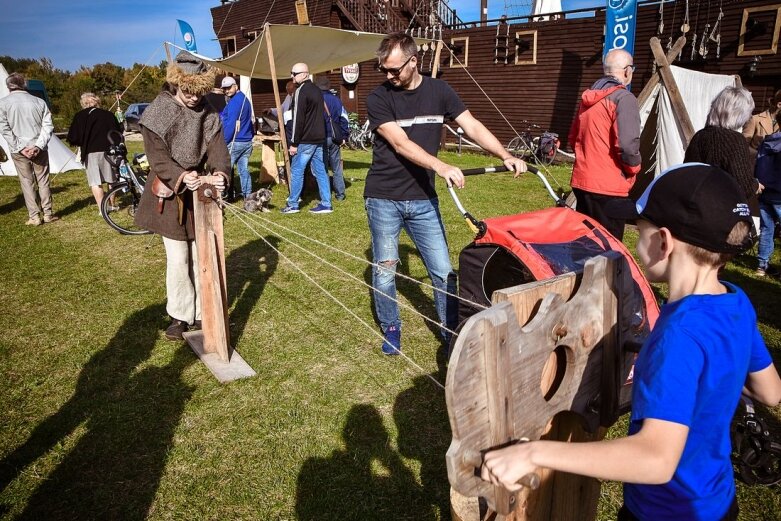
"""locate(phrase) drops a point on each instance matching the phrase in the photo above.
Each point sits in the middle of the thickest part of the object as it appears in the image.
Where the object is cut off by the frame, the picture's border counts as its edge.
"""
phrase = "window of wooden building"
(252, 35)
(459, 52)
(526, 47)
(228, 46)
(759, 30)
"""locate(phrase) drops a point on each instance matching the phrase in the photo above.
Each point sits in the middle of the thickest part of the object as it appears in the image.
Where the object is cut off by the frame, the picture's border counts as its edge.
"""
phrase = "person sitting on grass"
(703, 352)
(768, 173)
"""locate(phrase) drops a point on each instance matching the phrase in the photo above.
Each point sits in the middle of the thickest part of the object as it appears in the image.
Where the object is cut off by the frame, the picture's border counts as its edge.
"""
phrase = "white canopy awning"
(321, 48)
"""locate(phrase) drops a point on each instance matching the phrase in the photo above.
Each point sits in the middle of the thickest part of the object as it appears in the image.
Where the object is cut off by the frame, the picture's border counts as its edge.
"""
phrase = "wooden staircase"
(387, 16)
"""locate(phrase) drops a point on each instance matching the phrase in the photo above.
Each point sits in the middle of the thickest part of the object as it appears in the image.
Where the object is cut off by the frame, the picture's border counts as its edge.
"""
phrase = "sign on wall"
(350, 73)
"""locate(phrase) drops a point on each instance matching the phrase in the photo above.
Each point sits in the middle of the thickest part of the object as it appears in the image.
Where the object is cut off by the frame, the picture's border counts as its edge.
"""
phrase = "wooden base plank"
(235, 369)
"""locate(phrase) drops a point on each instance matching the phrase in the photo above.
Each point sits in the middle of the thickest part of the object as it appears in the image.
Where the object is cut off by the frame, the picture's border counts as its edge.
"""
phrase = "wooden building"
(522, 69)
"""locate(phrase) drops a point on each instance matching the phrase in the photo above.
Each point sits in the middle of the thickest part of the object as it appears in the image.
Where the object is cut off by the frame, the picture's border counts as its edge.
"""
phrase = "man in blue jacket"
(335, 122)
(238, 129)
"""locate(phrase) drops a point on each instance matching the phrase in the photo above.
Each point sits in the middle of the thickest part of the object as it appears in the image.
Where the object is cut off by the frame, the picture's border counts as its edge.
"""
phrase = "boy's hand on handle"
(510, 467)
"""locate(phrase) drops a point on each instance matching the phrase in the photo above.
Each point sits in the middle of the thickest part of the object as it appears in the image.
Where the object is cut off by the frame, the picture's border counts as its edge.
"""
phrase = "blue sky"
(80, 32)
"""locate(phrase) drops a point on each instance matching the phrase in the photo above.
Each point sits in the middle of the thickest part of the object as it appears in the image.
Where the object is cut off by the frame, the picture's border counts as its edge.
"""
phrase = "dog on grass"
(258, 201)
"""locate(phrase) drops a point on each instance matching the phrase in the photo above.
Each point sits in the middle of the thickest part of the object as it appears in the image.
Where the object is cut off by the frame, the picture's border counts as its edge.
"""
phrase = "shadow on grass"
(128, 417)
(367, 480)
(75, 206)
(18, 201)
(361, 165)
(248, 269)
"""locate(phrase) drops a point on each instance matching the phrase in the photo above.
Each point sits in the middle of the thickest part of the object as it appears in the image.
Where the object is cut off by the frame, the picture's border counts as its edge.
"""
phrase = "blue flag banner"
(621, 20)
(188, 36)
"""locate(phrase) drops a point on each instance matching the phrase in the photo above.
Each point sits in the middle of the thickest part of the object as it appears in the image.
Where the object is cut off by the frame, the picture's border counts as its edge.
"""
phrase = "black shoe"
(175, 330)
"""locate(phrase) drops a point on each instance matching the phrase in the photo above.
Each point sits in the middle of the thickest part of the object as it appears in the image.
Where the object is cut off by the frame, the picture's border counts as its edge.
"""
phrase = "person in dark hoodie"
(606, 138)
(89, 130)
(307, 142)
(768, 173)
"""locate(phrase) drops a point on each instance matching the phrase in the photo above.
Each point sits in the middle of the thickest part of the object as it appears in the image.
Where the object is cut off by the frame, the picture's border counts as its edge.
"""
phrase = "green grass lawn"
(102, 418)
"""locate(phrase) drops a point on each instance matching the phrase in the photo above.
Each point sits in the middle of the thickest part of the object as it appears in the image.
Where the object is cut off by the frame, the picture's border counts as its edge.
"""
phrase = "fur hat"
(190, 74)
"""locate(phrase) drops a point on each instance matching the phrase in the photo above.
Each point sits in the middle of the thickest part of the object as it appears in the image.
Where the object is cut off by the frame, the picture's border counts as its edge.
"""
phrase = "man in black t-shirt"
(406, 113)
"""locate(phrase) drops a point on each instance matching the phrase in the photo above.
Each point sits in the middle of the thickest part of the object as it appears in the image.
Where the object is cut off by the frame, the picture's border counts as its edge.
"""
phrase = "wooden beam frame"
(533, 34)
(776, 31)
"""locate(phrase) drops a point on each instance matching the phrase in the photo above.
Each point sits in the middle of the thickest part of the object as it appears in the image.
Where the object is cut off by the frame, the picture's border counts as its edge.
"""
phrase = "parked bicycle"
(540, 149)
(360, 136)
(120, 204)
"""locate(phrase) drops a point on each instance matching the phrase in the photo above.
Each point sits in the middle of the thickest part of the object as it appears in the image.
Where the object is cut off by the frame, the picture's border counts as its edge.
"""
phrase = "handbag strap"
(330, 119)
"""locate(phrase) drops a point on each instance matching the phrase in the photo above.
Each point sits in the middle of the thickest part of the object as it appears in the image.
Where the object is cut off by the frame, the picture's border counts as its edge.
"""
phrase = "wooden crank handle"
(475, 459)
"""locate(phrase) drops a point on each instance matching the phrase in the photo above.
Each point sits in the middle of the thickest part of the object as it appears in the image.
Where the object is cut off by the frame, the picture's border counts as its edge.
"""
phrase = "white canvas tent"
(325, 49)
(662, 137)
(61, 159)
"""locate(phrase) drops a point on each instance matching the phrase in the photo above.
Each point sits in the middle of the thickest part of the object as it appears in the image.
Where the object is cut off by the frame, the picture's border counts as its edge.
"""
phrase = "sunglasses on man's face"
(395, 71)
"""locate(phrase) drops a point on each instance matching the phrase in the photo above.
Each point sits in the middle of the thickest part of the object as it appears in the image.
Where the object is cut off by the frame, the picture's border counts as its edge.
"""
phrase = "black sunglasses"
(395, 71)
(294, 73)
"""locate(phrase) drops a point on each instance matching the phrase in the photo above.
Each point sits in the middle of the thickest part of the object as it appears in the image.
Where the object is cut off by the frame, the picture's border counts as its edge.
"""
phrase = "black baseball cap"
(700, 204)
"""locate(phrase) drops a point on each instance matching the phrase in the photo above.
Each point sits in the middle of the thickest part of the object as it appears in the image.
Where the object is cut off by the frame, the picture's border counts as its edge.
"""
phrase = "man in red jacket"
(606, 138)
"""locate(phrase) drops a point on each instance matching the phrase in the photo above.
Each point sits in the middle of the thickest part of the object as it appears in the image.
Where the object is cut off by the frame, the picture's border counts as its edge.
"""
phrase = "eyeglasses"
(395, 71)
(632, 67)
(293, 74)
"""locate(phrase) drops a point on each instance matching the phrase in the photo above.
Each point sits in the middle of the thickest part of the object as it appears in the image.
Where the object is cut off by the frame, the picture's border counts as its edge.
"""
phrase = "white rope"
(371, 328)
(543, 167)
(369, 263)
(349, 275)
(146, 64)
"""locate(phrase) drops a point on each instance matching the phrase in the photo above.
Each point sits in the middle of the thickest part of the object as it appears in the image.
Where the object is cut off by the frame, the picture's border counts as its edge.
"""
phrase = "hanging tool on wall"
(705, 35)
(715, 35)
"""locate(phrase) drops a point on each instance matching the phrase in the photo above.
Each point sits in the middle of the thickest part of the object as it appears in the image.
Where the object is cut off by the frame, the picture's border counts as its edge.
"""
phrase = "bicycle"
(360, 136)
(120, 204)
(539, 149)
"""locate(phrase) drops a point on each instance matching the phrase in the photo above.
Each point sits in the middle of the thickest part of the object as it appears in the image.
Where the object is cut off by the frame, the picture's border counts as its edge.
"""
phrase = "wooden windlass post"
(212, 342)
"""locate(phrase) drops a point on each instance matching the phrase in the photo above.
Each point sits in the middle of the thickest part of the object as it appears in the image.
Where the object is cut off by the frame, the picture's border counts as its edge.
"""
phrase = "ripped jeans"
(422, 222)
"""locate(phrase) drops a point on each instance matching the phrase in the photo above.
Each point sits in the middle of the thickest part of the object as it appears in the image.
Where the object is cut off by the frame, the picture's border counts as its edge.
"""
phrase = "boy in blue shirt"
(703, 352)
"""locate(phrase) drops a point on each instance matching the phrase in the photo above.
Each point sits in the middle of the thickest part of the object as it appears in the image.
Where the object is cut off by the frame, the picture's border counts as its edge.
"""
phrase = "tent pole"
(654, 81)
(280, 116)
(672, 89)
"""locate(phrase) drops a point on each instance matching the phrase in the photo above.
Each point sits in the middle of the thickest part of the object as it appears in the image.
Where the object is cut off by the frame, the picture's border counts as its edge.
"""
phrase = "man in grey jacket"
(26, 124)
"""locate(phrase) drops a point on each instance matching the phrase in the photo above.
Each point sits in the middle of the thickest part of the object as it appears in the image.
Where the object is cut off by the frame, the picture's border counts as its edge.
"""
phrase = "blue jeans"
(768, 214)
(240, 152)
(304, 154)
(422, 222)
(334, 157)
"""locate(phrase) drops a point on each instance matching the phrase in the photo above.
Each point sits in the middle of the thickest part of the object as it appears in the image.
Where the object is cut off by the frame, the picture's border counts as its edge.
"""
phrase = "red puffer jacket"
(606, 139)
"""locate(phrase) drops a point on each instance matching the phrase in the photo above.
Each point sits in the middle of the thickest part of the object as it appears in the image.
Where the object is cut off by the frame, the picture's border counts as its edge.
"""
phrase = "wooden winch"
(546, 361)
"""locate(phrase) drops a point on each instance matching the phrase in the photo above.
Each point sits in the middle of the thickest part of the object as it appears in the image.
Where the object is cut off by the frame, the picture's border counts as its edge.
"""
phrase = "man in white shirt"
(26, 124)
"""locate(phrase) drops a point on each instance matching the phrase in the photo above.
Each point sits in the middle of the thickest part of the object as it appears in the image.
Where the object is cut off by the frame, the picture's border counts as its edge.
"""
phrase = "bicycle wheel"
(519, 147)
(119, 209)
